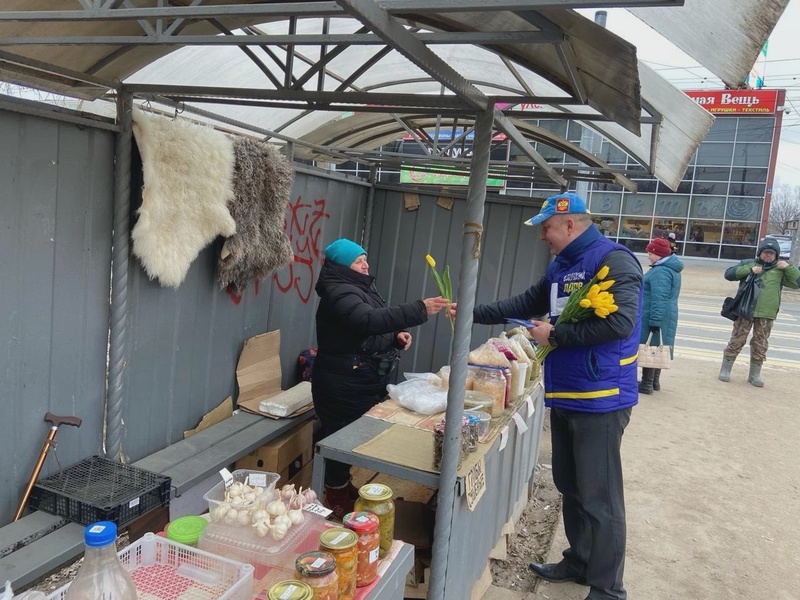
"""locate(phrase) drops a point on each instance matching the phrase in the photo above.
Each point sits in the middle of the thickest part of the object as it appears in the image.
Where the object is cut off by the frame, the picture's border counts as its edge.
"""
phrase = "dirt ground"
(712, 484)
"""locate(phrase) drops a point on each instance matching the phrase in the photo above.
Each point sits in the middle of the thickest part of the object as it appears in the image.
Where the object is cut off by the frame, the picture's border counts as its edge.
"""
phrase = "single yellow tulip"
(430, 260)
(606, 284)
(603, 273)
(586, 303)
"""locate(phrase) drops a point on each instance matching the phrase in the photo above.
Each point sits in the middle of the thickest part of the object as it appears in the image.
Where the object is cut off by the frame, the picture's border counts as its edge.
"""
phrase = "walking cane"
(55, 422)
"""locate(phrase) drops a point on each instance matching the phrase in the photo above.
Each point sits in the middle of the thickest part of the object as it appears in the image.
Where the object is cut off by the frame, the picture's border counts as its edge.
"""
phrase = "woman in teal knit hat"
(358, 339)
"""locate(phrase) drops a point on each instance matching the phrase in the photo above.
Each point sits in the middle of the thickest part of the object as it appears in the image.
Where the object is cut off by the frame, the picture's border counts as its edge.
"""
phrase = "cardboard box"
(285, 455)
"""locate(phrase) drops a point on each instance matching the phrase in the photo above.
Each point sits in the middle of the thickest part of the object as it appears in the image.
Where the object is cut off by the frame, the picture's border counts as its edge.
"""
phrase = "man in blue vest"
(590, 387)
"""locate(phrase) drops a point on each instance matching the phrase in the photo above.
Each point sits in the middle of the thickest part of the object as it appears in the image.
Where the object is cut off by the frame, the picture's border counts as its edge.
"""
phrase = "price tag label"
(257, 480)
(503, 437)
(133, 503)
(226, 477)
(529, 404)
(521, 426)
(317, 509)
(475, 482)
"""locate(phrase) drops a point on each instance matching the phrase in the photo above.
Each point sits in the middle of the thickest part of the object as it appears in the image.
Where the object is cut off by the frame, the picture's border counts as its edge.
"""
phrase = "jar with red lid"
(365, 525)
(341, 543)
(318, 570)
(377, 499)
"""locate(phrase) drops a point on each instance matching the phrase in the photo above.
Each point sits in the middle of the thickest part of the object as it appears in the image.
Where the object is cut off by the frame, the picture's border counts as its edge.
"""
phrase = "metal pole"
(467, 278)
(118, 336)
(373, 177)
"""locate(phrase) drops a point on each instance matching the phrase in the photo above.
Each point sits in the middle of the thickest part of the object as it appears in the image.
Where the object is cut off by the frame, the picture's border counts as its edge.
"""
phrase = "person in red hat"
(662, 285)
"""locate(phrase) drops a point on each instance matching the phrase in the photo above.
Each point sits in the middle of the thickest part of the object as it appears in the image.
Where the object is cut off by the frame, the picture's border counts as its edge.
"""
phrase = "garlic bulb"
(276, 507)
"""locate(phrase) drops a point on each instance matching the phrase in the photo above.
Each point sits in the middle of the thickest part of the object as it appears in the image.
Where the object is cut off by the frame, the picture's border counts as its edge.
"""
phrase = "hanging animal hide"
(262, 183)
(188, 172)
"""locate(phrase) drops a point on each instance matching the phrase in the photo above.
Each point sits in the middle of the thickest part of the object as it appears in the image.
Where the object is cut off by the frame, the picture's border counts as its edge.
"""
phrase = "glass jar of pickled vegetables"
(341, 543)
(377, 499)
(318, 570)
(290, 590)
(365, 525)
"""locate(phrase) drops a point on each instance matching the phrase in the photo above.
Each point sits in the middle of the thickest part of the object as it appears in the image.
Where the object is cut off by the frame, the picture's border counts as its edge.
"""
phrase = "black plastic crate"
(99, 489)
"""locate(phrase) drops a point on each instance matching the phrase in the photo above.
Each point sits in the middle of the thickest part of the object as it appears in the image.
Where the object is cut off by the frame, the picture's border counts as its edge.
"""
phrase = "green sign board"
(425, 178)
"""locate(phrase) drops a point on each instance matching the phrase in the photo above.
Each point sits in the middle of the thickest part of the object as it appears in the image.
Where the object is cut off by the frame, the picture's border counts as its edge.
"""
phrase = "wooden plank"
(28, 529)
(174, 454)
(227, 450)
(43, 556)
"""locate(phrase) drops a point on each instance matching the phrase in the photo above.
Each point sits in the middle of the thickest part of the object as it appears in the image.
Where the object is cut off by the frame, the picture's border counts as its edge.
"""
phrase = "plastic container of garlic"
(246, 546)
(238, 504)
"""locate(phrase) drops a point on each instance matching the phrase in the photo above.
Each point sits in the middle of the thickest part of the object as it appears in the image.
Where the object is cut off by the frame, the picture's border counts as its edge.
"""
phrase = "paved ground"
(712, 473)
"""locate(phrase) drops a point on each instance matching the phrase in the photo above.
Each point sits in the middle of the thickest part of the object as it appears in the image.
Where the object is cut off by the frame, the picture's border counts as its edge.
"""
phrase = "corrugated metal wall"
(56, 185)
(512, 259)
(186, 342)
(56, 221)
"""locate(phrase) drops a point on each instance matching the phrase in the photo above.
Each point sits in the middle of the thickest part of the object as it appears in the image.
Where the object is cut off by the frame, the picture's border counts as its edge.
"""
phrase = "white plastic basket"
(216, 495)
(165, 570)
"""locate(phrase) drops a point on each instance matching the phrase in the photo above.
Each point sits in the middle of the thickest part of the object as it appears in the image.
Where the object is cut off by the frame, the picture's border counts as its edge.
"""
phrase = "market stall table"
(493, 481)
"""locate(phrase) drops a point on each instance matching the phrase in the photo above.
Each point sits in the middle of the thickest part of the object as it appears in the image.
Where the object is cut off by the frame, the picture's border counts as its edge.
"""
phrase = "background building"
(720, 208)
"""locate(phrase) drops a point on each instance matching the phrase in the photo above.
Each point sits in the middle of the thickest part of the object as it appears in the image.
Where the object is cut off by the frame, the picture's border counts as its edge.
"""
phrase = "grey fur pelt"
(262, 182)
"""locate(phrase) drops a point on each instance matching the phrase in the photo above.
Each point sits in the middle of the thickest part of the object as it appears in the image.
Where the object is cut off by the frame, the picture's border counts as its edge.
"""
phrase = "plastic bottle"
(101, 575)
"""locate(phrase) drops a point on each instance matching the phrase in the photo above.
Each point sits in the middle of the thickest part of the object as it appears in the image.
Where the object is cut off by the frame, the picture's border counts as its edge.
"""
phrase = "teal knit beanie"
(343, 252)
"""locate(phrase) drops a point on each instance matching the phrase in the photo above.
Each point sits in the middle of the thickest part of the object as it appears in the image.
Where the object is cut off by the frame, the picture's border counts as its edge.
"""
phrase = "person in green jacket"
(771, 275)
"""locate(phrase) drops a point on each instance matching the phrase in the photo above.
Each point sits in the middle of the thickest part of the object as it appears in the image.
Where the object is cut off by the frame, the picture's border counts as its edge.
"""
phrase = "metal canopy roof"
(292, 70)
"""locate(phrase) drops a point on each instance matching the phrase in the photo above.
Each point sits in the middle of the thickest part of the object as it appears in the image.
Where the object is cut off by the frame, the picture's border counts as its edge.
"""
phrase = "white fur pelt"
(188, 171)
(262, 183)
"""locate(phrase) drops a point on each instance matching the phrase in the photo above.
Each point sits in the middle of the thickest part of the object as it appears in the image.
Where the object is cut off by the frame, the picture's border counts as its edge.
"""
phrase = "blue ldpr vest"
(600, 378)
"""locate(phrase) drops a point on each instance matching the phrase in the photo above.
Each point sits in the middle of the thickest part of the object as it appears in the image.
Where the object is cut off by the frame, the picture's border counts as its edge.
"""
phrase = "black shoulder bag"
(744, 302)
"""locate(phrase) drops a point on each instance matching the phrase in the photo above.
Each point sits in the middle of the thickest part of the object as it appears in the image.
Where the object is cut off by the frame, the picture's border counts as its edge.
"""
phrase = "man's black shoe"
(556, 573)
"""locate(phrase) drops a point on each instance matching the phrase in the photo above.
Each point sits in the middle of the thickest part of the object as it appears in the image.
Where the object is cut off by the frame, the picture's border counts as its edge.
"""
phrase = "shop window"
(755, 129)
(710, 187)
(672, 205)
(704, 232)
(737, 252)
(751, 175)
(712, 173)
(638, 204)
(752, 155)
(635, 245)
(744, 209)
(740, 233)
(715, 154)
(646, 186)
(747, 189)
(605, 203)
(607, 224)
(723, 130)
(707, 207)
(701, 250)
(635, 227)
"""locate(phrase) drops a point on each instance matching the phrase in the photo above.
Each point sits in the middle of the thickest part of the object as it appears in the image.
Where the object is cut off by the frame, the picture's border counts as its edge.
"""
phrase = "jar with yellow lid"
(290, 590)
(318, 570)
(342, 543)
(377, 499)
(365, 525)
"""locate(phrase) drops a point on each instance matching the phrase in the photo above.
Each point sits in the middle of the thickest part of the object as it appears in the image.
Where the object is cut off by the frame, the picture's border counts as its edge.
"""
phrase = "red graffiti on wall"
(303, 226)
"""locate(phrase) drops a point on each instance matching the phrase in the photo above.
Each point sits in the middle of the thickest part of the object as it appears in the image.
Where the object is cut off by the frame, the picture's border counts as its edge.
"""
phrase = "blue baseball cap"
(561, 204)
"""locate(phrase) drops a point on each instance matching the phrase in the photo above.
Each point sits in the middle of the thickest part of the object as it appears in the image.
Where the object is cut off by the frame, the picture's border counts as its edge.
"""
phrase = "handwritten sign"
(317, 509)
(475, 482)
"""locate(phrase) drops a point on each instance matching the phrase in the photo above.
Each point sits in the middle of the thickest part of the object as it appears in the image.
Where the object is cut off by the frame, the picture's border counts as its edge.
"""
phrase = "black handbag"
(744, 302)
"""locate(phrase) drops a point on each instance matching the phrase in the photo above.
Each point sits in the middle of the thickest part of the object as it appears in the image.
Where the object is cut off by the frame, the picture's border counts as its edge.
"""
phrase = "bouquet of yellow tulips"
(444, 284)
(593, 297)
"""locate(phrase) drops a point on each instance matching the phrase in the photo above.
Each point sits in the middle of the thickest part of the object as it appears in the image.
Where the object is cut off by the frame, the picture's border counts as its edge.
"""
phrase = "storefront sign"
(737, 102)
(425, 178)
(476, 484)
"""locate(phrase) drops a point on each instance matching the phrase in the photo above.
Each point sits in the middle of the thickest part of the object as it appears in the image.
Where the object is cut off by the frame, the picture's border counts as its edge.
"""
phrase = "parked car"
(785, 242)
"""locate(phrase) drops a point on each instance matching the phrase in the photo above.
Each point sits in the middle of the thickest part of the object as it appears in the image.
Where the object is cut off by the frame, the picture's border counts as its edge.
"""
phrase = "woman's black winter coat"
(355, 332)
